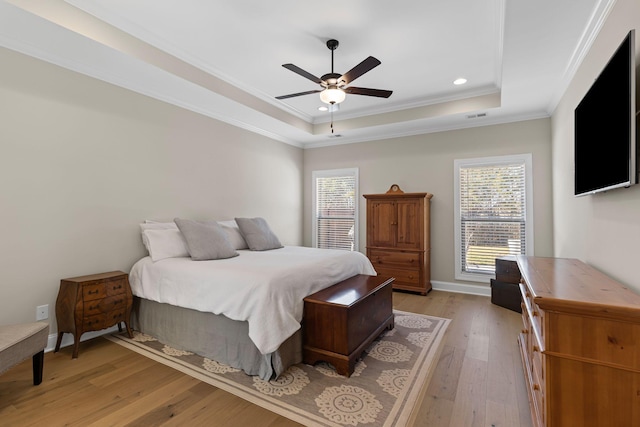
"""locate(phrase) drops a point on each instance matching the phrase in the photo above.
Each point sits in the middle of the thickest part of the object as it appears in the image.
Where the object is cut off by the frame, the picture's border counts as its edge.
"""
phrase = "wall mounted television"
(605, 126)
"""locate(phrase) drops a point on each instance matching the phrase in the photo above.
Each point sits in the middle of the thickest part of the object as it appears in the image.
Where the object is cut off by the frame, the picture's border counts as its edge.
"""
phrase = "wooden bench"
(342, 320)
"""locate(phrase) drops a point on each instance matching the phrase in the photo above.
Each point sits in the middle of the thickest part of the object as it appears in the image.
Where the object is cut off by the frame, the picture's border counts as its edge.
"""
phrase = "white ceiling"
(224, 58)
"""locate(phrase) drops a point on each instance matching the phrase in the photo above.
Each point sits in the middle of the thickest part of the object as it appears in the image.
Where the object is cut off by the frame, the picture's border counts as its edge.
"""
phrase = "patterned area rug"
(383, 391)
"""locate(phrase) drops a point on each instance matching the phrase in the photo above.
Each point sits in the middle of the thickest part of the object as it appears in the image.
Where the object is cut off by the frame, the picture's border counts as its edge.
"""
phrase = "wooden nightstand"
(91, 303)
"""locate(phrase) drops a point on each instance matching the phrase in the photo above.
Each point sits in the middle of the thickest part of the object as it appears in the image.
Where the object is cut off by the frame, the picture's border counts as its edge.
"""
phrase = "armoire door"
(382, 224)
(410, 223)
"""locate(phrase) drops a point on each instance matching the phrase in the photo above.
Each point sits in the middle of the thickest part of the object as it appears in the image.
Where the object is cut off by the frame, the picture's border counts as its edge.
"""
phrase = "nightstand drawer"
(103, 320)
(93, 307)
(94, 323)
(116, 287)
(93, 291)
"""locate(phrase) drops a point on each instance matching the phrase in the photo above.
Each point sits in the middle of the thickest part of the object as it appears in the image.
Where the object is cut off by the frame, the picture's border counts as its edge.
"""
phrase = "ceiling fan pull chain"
(332, 121)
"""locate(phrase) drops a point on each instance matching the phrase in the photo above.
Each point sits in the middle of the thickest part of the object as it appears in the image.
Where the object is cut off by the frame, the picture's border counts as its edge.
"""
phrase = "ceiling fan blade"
(302, 72)
(298, 94)
(369, 92)
(367, 65)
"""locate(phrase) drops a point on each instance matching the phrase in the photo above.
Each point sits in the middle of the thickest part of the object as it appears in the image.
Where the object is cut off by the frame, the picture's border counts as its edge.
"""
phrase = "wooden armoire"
(398, 237)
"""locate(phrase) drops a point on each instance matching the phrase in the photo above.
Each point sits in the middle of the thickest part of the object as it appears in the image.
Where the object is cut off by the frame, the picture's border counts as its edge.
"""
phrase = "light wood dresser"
(398, 237)
(580, 345)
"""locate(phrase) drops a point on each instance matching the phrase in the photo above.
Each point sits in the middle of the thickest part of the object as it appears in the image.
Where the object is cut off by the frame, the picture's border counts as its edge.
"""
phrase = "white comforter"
(266, 289)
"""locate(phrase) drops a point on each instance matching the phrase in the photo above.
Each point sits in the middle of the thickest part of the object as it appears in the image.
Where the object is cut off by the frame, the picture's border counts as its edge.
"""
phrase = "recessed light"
(323, 108)
(460, 81)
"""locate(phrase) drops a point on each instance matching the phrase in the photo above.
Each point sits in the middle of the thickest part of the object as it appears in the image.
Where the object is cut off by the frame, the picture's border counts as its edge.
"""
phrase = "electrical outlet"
(42, 312)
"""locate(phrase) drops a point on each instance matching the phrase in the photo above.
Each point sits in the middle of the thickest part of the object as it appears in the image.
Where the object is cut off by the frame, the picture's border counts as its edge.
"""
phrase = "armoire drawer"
(397, 259)
(403, 277)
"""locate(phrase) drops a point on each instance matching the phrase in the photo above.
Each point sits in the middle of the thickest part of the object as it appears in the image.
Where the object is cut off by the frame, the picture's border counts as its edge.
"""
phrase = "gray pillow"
(257, 233)
(205, 240)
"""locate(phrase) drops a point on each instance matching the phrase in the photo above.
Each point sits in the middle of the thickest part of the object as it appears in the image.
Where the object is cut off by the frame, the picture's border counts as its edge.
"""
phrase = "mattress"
(263, 288)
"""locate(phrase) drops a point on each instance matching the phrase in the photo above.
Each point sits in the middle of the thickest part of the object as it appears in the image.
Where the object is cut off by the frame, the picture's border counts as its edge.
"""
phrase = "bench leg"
(38, 365)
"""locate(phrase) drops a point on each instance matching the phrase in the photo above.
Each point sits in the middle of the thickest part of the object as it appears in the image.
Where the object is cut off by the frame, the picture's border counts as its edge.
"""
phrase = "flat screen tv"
(605, 126)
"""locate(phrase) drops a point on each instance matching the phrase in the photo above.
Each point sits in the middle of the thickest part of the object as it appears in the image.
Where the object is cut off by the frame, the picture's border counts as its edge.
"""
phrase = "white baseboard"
(461, 288)
(67, 339)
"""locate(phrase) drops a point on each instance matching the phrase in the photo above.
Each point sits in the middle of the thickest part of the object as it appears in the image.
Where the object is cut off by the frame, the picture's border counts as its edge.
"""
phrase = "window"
(493, 213)
(335, 209)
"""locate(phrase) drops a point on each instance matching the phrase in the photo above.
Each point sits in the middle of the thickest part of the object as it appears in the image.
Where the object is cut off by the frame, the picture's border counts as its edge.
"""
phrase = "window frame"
(528, 218)
(328, 173)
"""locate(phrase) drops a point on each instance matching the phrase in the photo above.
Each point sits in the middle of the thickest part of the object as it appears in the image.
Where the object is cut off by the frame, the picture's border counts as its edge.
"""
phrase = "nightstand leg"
(129, 332)
(76, 345)
(58, 342)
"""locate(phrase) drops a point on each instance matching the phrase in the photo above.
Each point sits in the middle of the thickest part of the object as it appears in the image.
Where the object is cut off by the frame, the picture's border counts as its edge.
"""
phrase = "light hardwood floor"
(478, 380)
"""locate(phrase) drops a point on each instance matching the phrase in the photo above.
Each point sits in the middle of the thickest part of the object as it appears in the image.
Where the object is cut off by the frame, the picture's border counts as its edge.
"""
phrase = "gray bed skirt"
(213, 336)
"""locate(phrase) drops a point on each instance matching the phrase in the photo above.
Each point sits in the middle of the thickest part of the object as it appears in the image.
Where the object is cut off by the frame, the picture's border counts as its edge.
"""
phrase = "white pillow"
(165, 243)
(153, 225)
(233, 234)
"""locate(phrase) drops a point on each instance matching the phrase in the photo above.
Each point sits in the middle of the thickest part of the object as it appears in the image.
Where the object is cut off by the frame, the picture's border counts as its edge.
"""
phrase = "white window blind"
(335, 209)
(493, 213)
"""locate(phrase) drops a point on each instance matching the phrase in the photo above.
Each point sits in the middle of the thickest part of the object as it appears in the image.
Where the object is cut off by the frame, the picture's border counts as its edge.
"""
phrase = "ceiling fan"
(336, 86)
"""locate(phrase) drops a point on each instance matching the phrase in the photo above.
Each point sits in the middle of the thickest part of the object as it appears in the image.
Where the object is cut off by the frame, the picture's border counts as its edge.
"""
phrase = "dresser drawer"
(612, 342)
(535, 315)
(395, 259)
(537, 363)
(527, 331)
(538, 392)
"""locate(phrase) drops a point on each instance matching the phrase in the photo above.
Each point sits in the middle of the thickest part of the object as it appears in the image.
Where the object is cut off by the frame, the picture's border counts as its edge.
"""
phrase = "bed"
(244, 310)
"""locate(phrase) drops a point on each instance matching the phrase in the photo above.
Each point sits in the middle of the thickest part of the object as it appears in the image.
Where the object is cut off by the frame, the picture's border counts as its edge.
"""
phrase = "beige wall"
(603, 229)
(82, 163)
(425, 163)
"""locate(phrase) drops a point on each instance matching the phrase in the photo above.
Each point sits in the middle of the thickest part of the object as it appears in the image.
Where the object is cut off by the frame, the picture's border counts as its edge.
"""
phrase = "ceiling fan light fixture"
(332, 95)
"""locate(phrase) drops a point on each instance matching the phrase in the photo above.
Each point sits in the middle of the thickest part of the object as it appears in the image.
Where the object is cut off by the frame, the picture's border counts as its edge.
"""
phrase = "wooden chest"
(91, 303)
(507, 270)
(506, 295)
(505, 291)
(342, 320)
